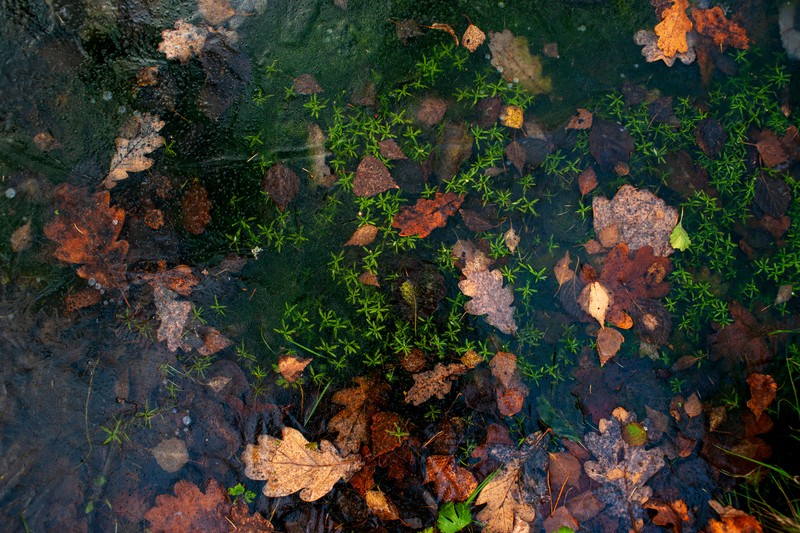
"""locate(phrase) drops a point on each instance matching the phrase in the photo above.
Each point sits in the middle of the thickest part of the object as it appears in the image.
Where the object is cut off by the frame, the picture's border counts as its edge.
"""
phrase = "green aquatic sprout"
(454, 517)
(679, 238)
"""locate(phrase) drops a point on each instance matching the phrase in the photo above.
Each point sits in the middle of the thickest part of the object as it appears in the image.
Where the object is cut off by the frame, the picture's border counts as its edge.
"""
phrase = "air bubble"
(10, 193)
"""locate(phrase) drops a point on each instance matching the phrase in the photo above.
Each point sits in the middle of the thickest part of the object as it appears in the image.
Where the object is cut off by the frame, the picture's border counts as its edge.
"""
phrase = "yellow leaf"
(594, 299)
(512, 116)
(672, 29)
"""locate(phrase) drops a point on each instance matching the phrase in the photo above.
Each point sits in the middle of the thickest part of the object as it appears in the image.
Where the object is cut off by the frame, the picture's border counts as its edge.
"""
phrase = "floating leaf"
(136, 140)
(512, 58)
(649, 40)
(372, 177)
(293, 464)
(594, 299)
(489, 296)
(191, 510)
(713, 23)
(426, 215)
(291, 366)
(672, 29)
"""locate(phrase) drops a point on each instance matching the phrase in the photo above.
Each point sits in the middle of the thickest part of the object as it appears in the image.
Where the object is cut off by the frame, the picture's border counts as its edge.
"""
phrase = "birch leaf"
(594, 299)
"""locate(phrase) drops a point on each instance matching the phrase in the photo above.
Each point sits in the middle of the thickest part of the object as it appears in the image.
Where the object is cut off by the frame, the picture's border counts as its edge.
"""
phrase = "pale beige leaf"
(185, 41)
(137, 139)
(512, 58)
(320, 173)
(489, 296)
(171, 454)
(21, 238)
(594, 299)
(381, 506)
(363, 236)
(511, 239)
(293, 464)
(563, 270)
(506, 508)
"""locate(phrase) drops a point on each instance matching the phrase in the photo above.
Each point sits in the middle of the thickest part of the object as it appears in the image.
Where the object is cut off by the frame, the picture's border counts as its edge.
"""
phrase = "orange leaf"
(609, 342)
(291, 366)
(587, 181)
(762, 391)
(713, 23)
(190, 509)
(581, 121)
(672, 29)
(426, 215)
(473, 37)
(363, 236)
(563, 270)
(372, 177)
(453, 483)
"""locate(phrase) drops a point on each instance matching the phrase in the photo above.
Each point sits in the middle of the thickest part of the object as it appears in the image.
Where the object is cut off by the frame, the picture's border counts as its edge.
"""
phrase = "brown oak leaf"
(669, 513)
(489, 296)
(713, 23)
(244, 522)
(672, 29)
(185, 41)
(427, 215)
(388, 432)
(763, 390)
(453, 483)
(137, 138)
(86, 230)
(372, 177)
(191, 510)
(360, 403)
(436, 382)
(293, 464)
(506, 506)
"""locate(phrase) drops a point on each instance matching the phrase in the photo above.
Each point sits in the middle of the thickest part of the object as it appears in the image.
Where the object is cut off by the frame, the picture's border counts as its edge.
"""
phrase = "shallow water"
(88, 395)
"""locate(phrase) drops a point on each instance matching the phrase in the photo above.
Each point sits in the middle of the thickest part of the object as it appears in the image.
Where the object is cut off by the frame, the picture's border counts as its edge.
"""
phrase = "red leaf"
(426, 215)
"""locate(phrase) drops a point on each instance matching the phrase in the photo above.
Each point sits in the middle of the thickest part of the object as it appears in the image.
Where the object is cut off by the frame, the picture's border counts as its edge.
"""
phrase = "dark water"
(89, 395)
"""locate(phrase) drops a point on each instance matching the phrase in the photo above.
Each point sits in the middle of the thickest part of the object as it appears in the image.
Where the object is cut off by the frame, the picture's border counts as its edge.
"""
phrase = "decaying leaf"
(191, 510)
(86, 230)
(713, 23)
(510, 390)
(391, 150)
(363, 236)
(506, 507)
(511, 240)
(770, 149)
(489, 296)
(640, 219)
(431, 110)
(512, 116)
(609, 341)
(173, 315)
(733, 520)
(763, 390)
(649, 40)
(594, 300)
(291, 366)
(138, 138)
(21, 238)
(215, 12)
(512, 58)
(587, 181)
(360, 403)
(388, 432)
(581, 121)
(306, 84)
(185, 41)
(426, 215)
(455, 147)
(516, 154)
(195, 209)
(473, 37)
(563, 270)
(369, 278)
(372, 177)
(406, 29)
(453, 483)
(445, 28)
(171, 454)
(669, 513)
(292, 464)
(244, 522)
(281, 184)
(672, 29)
(381, 505)
(620, 468)
(320, 173)
(436, 382)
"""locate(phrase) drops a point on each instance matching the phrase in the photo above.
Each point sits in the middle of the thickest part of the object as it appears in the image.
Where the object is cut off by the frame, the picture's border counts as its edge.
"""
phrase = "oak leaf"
(244, 522)
(672, 29)
(426, 215)
(185, 41)
(86, 230)
(372, 177)
(762, 392)
(511, 56)
(436, 382)
(388, 431)
(293, 464)
(190, 509)
(453, 483)
(136, 140)
(282, 184)
(669, 513)
(733, 520)
(360, 403)
(649, 40)
(489, 296)
(713, 23)
(506, 507)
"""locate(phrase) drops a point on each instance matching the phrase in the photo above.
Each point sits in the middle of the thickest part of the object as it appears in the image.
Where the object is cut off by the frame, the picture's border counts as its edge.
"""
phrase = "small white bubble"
(122, 110)
(582, 27)
(91, 282)
(10, 193)
(107, 96)
(187, 420)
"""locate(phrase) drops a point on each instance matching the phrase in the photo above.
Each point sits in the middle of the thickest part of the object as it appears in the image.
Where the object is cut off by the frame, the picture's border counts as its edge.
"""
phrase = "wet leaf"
(609, 341)
(154, 218)
(511, 240)
(184, 42)
(587, 181)
(21, 237)
(455, 147)
(565, 470)
(291, 366)
(473, 37)
(733, 520)
(372, 177)
(381, 506)
(173, 316)
(320, 172)
(291, 464)
(640, 218)
(672, 29)
(406, 29)
(171, 454)
(512, 58)
(213, 341)
(360, 403)
(426, 215)
(306, 84)
(369, 278)
(215, 12)
(506, 506)
(713, 23)
(620, 468)
(436, 382)
(770, 149)
(363, 236)
(453, 483)
(244, 522)
(763, 390)
(281, 184)
(594, 300)
(512, 116)
(86, 231)
(669, 514)
(138, 138)
(510, 390)
(388, 432)
(445, 28)
(516, 154)
(610, 143)
(391, 150)
(679, 239)
(563, 270)
(195, 209)
(431, 110)
(581, 121)
(489, 296)
(191, 510)
(649, 40)
(785, 293)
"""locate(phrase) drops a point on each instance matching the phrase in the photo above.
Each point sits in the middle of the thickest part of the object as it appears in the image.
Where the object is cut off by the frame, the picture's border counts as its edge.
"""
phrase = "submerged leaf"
(372, 177)
(512, 58)
(137, 139)
(672, 29)
(679, 239)
(489, 296)
(426, 215)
